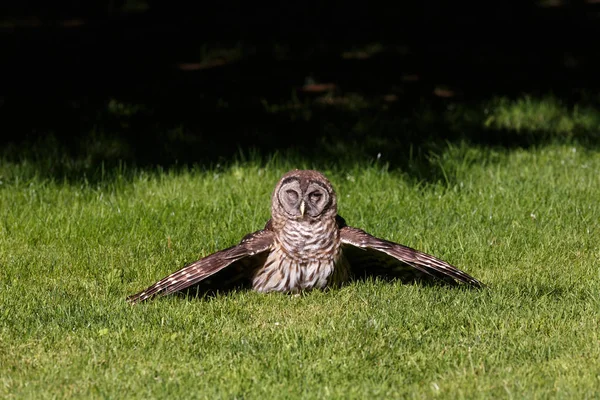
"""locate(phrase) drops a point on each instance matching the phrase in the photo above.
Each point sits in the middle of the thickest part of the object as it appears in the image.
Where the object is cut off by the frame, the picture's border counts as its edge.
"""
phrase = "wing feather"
(422, 262)
(252, 244)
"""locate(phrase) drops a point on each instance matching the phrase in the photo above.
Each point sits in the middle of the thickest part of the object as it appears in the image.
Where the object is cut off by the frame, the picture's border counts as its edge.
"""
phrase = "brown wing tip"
(138, 297)
(467, 279)
(478, 284)
(133, 299)
(462, 277)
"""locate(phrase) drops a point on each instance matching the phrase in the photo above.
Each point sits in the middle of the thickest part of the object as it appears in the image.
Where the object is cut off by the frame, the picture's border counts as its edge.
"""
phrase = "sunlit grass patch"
(549, 115)
(525, 222)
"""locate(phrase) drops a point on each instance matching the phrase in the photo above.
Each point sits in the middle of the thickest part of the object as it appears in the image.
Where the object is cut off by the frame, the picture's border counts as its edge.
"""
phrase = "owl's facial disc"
(300, 203)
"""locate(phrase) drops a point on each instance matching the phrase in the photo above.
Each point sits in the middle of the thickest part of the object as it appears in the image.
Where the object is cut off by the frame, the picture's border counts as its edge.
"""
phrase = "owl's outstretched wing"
(368, 253)
(251, 245)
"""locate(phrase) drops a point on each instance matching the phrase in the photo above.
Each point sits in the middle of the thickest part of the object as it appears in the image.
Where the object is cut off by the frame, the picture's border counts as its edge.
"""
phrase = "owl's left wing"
(379, 251)
(251, 245)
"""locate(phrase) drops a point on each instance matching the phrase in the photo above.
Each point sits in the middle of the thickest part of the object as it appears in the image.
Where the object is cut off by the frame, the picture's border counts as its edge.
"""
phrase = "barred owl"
(306, 245)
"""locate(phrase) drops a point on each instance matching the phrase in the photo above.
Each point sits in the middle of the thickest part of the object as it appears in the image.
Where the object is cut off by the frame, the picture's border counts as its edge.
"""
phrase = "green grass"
(525, 222)
(547, 115)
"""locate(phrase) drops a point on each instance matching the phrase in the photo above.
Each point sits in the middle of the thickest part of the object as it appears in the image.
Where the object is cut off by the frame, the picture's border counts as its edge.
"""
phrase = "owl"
(306, 245)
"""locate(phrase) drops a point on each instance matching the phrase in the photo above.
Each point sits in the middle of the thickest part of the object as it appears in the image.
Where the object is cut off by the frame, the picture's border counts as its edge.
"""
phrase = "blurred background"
(156, 82)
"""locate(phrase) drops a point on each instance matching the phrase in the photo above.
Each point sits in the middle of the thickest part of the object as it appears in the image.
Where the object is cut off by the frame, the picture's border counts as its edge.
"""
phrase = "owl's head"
(304, 194)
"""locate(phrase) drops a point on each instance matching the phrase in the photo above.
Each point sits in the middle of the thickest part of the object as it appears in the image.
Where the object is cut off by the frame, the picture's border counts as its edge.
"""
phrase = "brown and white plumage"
(306, 245)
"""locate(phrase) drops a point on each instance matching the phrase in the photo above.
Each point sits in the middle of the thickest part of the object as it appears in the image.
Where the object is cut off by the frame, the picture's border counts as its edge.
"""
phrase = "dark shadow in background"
(161, 82)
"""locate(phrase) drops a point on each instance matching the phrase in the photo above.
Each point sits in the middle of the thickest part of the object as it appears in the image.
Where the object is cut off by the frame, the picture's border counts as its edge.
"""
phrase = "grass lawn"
(525, 221)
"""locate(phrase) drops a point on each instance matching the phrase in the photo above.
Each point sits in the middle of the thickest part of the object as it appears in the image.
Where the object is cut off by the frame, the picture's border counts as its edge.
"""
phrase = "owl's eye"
(315, 197)
(292, 195)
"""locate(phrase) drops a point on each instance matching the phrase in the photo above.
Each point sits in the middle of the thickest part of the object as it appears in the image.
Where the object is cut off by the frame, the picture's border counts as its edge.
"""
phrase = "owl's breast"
(282, 273)
(302, 241)
(305, 255)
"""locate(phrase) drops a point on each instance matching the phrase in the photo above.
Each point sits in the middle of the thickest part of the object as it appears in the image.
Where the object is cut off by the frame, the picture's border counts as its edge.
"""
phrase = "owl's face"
(304, 194)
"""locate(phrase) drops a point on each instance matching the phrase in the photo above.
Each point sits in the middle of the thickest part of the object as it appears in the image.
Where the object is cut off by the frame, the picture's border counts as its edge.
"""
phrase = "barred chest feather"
(305, 256)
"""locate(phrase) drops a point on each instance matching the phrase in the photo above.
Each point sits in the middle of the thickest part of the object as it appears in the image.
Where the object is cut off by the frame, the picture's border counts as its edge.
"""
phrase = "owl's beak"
(302, 205)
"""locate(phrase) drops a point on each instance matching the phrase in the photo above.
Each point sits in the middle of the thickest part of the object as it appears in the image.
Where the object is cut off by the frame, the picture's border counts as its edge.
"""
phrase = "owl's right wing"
(251, 245)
